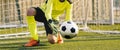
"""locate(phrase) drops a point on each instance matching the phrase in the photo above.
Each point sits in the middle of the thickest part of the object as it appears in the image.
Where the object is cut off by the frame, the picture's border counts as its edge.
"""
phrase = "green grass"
(105, 27)
(115, 27)
(16, 30)
(84, 41)
(12, 30)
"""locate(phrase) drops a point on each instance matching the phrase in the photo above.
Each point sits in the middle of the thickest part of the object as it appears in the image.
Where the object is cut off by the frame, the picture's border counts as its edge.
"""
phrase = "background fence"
(13, 13)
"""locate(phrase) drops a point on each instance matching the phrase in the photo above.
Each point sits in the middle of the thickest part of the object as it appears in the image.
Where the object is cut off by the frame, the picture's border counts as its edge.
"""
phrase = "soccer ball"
(69, 29)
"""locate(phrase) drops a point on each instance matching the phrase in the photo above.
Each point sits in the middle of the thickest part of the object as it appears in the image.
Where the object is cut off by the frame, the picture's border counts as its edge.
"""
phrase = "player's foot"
(59, 39)
(31, 43)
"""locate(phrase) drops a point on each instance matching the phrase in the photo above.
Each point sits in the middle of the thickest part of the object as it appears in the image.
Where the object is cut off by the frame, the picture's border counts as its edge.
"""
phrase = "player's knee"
(31, 12)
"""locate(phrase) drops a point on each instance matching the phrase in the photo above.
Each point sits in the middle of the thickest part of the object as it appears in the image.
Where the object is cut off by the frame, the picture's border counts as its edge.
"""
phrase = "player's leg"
(32, 28)
(40, 17)
(50, 28)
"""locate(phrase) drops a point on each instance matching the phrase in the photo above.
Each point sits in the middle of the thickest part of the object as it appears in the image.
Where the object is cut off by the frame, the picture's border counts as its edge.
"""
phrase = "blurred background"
(85, 12)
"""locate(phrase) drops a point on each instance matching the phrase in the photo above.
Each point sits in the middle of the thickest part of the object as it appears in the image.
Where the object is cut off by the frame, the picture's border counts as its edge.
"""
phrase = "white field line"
(26, 34)
(18, 35)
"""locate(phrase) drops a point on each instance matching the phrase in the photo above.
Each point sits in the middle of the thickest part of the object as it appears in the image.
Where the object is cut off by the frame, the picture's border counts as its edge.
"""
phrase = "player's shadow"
(19, 46)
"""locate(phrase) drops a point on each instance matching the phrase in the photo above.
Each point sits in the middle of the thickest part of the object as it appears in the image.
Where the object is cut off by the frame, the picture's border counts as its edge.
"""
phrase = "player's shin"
(32, 27)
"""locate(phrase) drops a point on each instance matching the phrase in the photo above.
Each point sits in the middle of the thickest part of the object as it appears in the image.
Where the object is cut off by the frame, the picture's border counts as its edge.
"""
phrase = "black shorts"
(40, 17)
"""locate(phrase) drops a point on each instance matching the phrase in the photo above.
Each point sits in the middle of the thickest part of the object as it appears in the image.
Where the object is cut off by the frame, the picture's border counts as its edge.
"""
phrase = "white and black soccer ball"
(69, 29)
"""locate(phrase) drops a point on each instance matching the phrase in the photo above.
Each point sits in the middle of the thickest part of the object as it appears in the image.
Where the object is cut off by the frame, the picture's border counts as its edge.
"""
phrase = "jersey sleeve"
(69, 12)
(43, 6)
(48, 10)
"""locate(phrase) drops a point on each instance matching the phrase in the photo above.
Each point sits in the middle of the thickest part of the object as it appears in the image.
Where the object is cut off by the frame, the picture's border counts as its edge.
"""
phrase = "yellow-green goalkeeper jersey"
(54, 8)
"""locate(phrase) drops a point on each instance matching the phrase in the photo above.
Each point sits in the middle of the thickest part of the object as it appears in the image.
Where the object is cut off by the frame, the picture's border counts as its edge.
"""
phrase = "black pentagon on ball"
(72, 30)
(63, 28)
(69, 22)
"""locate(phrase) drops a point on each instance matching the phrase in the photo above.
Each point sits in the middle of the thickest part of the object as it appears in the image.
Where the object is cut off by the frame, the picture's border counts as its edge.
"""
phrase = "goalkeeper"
(48, 14)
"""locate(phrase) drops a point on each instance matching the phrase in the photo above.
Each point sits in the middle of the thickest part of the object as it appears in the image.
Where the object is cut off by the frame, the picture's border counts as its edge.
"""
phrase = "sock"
(32, 27)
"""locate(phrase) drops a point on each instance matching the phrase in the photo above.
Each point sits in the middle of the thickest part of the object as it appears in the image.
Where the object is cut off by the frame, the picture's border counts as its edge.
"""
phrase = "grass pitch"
(83, 41)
